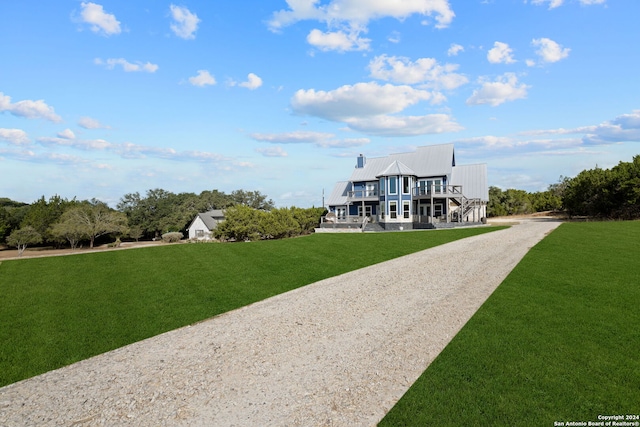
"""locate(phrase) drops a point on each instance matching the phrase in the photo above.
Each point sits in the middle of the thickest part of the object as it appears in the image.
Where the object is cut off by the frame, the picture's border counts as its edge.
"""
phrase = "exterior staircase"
(373, 226)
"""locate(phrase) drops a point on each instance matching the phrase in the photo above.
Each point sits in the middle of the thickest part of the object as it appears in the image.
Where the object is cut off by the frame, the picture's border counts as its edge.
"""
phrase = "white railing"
(362, 194)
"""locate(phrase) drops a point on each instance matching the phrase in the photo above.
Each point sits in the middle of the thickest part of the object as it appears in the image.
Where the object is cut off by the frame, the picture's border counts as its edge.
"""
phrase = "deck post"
(431, 208)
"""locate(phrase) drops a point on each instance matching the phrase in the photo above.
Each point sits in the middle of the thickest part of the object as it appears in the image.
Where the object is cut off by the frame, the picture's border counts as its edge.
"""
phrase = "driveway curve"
(339, 352)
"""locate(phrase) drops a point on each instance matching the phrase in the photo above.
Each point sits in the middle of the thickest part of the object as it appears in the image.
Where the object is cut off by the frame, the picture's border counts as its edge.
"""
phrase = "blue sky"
(100, 99)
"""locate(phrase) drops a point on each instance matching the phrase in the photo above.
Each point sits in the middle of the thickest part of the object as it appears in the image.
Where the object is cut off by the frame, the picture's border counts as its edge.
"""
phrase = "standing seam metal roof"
(431, 160)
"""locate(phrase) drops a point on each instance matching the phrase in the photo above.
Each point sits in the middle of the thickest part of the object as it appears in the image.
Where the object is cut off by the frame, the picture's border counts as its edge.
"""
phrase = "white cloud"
(385, 125)
(202, 79)
(29, 109)
(360, 12)
(297, 137)
(359, 100)
(319, 139)
(423, 70)
(89, 123)
(337, 40)
(185, 22)
(344, 143)
(272, 152)
(550, 51)
(127, 66)
(394, 37)
(14, 136)
(504, 88)
(67, 134)
(455, 49)
(501, 53)
(347, 19)
(557, 3)
(100, 21)
(80, 144)
(368, 107)
(552, 3)
(253, 82)
(624, 128)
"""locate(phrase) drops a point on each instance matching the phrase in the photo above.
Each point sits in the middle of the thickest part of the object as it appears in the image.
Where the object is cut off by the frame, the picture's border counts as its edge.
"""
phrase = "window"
(438, 185)
(341, 213)
(406, 210)
(393, 210)
(426, 186)
(393, 185)
(406, 183)
(382, 186)
(381, 210)
(437, 211)
(367, 211)
(199, 233)
(371, 190)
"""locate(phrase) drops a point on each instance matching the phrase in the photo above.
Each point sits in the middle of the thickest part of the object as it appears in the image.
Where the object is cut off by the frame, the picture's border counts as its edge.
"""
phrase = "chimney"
(361, 161)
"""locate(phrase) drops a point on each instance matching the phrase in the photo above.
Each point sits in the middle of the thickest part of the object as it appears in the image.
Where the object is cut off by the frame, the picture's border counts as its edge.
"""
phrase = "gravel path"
(339, 352)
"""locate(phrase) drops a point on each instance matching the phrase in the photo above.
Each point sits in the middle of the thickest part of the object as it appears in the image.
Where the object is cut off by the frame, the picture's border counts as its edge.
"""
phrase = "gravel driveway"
(339, 352)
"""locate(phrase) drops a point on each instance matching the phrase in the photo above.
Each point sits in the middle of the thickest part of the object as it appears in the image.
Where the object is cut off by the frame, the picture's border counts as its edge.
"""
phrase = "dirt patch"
(7, 253)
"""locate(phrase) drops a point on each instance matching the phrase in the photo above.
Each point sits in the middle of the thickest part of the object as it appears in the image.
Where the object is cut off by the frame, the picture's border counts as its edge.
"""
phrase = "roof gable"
(397, 168)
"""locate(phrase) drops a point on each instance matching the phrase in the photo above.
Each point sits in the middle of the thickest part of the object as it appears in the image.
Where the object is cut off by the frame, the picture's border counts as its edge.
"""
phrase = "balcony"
(370, 194)
(438, 191)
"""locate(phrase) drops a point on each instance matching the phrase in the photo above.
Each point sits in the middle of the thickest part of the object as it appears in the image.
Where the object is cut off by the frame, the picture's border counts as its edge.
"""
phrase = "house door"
(367, 211)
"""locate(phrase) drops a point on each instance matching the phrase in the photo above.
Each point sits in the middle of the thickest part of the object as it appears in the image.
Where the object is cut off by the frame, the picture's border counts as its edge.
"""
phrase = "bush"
(173, 237)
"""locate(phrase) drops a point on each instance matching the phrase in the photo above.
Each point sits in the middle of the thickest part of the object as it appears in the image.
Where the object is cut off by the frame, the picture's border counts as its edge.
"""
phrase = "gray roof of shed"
(427, 161)
(212, 218)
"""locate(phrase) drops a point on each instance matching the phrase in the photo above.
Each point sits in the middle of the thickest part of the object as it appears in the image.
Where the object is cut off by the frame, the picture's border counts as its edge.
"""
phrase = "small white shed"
(204, 223)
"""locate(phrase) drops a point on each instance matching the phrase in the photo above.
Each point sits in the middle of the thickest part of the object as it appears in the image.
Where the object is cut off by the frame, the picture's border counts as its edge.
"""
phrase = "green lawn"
(558, 341)
(59, 310)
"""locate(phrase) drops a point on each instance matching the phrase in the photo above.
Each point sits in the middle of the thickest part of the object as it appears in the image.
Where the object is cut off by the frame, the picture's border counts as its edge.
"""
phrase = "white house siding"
(198, 227)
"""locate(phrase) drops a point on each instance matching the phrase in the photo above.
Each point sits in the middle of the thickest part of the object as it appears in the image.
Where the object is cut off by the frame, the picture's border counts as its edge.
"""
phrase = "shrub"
(172, 237)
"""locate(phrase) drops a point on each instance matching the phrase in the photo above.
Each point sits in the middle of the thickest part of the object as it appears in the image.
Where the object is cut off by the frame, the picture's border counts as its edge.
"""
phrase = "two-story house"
(421, 189)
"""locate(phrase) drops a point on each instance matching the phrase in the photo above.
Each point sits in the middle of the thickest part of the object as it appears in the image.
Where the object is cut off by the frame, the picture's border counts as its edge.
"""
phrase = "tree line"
(60, 222)
(599, 193)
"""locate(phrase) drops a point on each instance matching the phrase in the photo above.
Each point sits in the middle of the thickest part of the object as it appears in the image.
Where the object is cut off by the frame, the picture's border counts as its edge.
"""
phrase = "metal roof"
(212, 218)
(397, 168)
(473, 179)
(338, 196)
(426, 161)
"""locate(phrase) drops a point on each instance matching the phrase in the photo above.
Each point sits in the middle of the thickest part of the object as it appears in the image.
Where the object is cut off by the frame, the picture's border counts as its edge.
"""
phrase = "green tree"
(495, 206)
(24, 237)
(241, 223)
(70, 228)
(308, 219)
(95, 220)
(252, 199)
(42, 214)
(278, 224)
(214, 199)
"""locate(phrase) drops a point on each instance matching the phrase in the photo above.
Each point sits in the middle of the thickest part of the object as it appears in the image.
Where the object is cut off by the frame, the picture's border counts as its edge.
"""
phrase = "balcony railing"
(445, 190)
(363, 194)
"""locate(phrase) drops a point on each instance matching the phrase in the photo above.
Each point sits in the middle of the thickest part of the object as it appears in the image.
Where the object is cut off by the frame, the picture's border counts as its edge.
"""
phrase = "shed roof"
(211, 218)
